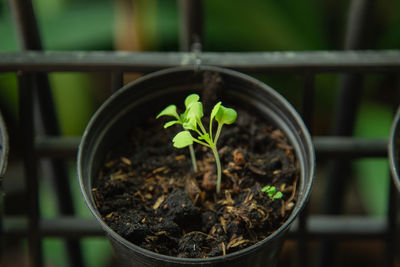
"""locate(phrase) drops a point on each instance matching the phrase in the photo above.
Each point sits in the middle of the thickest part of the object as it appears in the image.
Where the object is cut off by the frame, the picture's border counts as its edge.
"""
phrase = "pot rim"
(393, 159)
(3, 146)
(299, 205)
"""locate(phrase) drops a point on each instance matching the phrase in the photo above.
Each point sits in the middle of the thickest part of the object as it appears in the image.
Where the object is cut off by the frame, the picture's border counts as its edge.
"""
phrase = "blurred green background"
(153, 25)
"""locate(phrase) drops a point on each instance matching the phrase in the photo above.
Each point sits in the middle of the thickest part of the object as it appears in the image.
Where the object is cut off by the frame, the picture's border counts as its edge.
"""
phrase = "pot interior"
(149, 95)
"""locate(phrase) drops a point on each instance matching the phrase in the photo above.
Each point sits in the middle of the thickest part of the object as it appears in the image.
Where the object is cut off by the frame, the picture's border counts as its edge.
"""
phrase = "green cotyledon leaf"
(170, 123)
(215, 110)
(183, 139)
(225, 115)
(190, 124)
(169, 111)
(190, 99)
(195, 111)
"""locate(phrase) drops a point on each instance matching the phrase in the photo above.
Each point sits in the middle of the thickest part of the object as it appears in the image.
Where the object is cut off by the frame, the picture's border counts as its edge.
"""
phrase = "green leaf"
(169, 111)
(183, 139)
(183, 117)
(278, 195)
(226, 115)
(190, 124)
(195, 111)
(170, 123)
(205, 137)
(272, 193)
(190, 99)
(266, 189)
(215, 110)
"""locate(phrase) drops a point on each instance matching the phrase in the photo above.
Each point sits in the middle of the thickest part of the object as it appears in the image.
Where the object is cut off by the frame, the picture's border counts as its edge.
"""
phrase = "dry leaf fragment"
(261, 211)
(118, 175)
(233, 176)
(192, 188)
(180, 157)
(229, 198)
(256, 170)
(289, 205)
(161, 169)
(126, 161)
(234, 239)
(109, 164)
(283, 209)
(158, 202)
(223, 248)
(239, 243)
(137, 193)
(110, 214)
(276, 172)
(223, 223)
(161, 233)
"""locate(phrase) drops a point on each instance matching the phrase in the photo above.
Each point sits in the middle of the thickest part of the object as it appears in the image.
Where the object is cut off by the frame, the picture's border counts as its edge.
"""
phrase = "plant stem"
(218, 133)
(210, 129)
(200, 142)
(217, 161)
(202, 127)
(193, 157)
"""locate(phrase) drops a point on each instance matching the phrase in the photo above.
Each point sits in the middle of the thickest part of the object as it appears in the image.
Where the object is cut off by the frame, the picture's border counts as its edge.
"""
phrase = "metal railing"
(32, 65)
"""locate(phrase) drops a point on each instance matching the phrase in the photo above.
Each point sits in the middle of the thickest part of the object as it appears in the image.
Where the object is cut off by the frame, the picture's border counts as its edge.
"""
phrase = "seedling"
(191, 122)
(272, 193)
(171, 111)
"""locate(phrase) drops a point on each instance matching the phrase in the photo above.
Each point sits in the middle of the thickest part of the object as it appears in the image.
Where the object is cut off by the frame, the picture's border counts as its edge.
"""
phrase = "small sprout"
(191, 121)
(272, 193)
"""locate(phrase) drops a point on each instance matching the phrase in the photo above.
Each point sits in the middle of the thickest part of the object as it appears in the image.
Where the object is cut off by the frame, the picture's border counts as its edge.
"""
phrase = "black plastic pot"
(146, 97)
(394, 149)
(3, 147)
(3, 166)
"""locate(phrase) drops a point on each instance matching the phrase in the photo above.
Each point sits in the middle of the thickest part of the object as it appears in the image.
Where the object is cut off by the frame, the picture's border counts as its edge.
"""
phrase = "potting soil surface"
(148, 193)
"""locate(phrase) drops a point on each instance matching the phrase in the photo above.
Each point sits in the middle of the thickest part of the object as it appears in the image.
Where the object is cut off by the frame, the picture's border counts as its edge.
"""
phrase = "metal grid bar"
(350, 91)
(29, 36)
(365, 61)
(30, 166)
(191, 27)
(307, 114)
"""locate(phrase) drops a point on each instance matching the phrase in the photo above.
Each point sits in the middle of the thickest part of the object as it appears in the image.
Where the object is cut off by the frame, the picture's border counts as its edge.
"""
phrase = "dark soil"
(148, 193)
